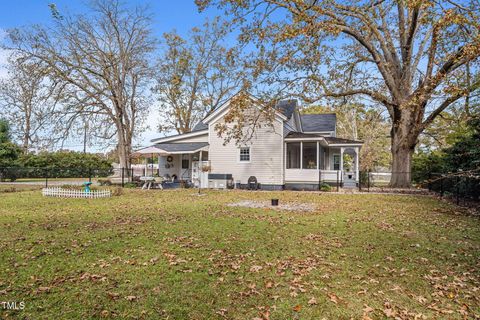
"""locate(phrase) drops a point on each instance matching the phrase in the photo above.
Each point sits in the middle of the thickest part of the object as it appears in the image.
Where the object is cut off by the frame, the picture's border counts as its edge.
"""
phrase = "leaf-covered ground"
(177, 255)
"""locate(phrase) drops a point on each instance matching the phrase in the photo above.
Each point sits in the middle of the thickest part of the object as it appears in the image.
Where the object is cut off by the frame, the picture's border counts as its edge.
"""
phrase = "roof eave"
(180, 136)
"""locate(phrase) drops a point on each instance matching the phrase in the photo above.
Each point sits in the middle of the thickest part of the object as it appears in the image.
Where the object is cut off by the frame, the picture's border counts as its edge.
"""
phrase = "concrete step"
(349, 185)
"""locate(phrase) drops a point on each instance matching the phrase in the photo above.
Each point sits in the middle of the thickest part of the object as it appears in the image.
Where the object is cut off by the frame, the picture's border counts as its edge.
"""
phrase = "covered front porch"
(176, 164)
(313, 160)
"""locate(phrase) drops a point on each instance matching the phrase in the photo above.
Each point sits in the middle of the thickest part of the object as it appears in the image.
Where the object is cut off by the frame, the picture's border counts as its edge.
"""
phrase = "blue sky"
(168, 14)
(181, 15)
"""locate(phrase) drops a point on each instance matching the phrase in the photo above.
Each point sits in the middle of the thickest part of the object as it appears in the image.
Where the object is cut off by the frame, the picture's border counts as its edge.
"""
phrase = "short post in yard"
(319, 179)
(368, 180)
(359, 181)
(338, 172)
(429, 181)
(441, 187)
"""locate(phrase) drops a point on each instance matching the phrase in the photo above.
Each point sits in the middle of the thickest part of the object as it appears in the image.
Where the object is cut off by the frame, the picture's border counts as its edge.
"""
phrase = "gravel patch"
(289, 206)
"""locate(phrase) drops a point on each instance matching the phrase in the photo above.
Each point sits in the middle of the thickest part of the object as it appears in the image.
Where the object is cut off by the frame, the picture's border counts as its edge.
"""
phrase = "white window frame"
(240, 155)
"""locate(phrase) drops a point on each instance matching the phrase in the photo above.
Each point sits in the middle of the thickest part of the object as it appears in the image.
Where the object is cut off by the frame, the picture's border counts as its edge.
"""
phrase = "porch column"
(200, 172)
(190, 165)
(318, 155)
(301, 155)
(158, 161)
(341, 161)
(356, 164)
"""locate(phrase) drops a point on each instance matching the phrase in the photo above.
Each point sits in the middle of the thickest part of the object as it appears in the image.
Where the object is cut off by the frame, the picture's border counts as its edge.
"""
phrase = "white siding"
(266, 155)
(301, 175)
(173, 167)
(309, 175)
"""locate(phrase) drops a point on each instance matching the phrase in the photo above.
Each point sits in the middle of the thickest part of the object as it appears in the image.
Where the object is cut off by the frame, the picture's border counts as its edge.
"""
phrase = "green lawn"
(177, 255)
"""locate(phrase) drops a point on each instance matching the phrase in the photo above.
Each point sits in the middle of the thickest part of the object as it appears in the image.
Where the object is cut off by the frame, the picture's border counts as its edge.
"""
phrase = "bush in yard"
(325, 187)
(463, 155)
(116, 192)
(130, 185)
(4, 131)
(104, 182)
(364, 178)
(65, 164)
(9, 153)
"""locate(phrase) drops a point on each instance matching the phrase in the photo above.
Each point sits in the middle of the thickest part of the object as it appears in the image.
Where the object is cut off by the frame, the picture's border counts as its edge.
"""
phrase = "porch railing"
(312, 175)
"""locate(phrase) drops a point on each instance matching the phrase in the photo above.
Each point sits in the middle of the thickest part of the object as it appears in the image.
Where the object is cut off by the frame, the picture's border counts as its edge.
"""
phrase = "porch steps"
(349, 185)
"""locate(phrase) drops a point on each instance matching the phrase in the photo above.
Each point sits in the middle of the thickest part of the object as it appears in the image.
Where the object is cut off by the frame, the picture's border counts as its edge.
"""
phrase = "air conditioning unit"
(220, 181)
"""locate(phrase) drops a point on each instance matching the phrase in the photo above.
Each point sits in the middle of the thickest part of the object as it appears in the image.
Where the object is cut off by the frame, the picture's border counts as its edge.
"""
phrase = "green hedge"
(61, 164)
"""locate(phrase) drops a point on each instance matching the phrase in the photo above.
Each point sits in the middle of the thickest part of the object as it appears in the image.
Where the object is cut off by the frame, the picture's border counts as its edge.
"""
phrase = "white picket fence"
(72, 193)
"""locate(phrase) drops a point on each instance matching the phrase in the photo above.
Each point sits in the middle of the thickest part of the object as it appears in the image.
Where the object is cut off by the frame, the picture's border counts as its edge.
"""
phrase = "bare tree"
(195, 75)
(103, 61)
(409, 56)
(28, 99)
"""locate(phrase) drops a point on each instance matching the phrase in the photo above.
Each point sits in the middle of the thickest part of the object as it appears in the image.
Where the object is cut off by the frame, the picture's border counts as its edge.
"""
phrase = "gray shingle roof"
(334, 140)
(287, 107)
(318, 122)
(179, 147)
(200, 126)
(295, 134)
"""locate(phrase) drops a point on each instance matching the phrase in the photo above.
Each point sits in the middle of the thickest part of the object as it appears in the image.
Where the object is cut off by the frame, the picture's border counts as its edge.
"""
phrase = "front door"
(185, 167)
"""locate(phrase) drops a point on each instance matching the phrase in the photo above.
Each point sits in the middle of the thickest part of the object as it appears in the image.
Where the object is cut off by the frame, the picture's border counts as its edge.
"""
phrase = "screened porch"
(318, 161)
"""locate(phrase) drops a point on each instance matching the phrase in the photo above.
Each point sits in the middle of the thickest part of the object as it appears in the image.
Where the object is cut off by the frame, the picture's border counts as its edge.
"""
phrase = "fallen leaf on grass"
(333, 297)
(367, 309)
(222, 312)
(131, 298)
(297, 308)
(312, 301)
(388, 310)
(256, 268)
(113, 295)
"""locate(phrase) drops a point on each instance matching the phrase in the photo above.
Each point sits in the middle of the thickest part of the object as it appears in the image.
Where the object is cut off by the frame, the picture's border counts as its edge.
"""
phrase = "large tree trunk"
(404, 138)
(401, 167)
(123, 149)
(26, 133)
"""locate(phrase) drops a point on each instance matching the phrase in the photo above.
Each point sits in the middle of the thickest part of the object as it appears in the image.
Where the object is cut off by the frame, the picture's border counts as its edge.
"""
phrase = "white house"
(295, 152)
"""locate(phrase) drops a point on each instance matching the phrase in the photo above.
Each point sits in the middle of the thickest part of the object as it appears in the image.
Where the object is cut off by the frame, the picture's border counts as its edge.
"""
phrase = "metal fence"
(58, 176)
(462, 187)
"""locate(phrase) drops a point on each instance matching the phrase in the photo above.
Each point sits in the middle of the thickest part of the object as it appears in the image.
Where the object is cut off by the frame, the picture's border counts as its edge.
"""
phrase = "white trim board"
(180, 136)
